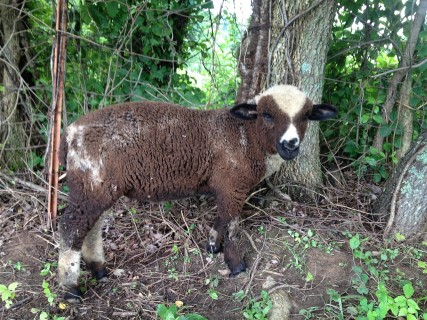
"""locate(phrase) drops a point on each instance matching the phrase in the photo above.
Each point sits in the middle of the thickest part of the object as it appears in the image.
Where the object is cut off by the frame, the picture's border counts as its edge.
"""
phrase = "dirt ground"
(156, 254)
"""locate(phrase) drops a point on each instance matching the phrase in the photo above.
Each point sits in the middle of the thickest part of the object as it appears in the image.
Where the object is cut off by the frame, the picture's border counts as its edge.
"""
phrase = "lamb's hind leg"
(74, 225)
(93, 252)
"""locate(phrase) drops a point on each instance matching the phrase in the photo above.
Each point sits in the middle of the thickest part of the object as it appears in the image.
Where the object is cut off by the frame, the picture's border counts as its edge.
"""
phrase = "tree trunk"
(13, 138)
(295, 39)
(403, 199)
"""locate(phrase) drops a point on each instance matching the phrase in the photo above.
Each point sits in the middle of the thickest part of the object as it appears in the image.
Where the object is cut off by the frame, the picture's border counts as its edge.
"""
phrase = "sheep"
(155, 151)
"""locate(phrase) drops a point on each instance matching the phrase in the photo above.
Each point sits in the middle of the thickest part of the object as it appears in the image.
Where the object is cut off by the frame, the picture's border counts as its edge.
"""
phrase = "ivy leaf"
(112, 8)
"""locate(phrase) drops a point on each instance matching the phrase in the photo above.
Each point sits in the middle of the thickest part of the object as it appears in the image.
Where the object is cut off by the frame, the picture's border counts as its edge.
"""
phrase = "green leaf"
(44, 315)
(2, 288)
(400, 300)
(394, 309)
(213, 295)
(112, 8)
(408, 290)
(309, 277)
(6, 295)
(402, 312)
(412, 304)
(355, 242)
(12, 286)
(385, 131)
(411, 317)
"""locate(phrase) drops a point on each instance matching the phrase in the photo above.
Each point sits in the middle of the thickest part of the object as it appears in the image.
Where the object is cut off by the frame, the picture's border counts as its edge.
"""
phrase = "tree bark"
(294, 35)
(298, 58)
(13, 138)
(253, 53)
(403, 69)
(403, 200)
(406, 116)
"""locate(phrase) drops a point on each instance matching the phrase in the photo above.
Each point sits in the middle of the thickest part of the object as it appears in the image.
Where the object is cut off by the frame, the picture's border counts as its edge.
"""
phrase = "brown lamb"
(154, 151)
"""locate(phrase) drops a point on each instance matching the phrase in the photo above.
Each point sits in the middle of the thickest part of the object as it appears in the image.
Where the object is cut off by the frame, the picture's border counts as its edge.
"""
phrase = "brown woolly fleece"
(156, 151)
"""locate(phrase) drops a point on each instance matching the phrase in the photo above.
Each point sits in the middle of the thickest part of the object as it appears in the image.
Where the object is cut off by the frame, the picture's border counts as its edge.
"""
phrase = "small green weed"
(213, 283)
(8, 293)
(173, 274)
(49, 294)
(258, 310)
(171, 313)
(17, 266)
(46, 271)
(298, 250)
(46, 316)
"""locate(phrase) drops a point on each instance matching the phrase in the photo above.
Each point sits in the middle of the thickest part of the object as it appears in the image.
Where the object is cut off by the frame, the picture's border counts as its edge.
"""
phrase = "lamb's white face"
(283, 112)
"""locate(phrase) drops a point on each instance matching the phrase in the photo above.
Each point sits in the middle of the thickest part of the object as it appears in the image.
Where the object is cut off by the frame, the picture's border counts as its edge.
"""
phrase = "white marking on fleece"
(289, 98)
(78, 158)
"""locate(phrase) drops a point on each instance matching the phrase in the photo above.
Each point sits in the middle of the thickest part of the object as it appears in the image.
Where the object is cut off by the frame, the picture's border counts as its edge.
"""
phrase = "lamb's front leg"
(221, 234)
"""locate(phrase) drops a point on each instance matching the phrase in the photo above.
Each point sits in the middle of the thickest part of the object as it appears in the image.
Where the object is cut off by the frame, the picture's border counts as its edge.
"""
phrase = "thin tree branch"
(419, 64)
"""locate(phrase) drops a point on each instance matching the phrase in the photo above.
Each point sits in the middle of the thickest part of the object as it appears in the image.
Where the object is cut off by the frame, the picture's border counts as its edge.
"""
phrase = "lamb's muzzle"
(154, 151)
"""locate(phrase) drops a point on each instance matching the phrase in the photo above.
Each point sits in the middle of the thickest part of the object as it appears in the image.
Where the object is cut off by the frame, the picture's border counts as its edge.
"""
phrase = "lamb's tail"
(63, 150)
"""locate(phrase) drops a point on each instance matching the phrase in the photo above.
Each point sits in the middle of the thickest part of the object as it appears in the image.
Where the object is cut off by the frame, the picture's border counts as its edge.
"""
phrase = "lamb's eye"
(267, 117)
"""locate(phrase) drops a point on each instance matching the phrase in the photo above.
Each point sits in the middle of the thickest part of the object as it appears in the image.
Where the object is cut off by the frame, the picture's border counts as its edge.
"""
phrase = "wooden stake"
(58, 75)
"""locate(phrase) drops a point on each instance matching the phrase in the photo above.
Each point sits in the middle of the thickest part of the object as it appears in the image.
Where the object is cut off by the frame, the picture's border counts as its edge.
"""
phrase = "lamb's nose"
(291, 144)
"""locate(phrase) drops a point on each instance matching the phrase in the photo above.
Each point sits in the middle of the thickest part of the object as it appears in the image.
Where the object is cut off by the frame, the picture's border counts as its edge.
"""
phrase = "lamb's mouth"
(287, 153)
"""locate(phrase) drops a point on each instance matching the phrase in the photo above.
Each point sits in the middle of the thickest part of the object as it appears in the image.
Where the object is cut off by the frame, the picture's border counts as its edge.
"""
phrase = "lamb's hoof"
(213, 248)
(235, 270)
(97, 269)
(100, 275)
(73, 295)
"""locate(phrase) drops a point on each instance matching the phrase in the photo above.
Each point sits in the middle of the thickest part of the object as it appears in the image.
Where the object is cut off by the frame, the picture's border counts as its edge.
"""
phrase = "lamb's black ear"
(322, 112)
(244, 111)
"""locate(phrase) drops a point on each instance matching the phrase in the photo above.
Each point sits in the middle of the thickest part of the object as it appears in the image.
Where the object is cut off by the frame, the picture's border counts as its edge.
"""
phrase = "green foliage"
(258, 310)
(386, 305)
(171, 313)
(8, 293)
(372, 270)
(368, 40)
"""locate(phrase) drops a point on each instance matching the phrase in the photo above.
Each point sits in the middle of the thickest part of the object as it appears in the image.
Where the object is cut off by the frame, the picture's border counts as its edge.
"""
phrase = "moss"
(407, 188)
(305, 68)
(416, 173)
(423, 157)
